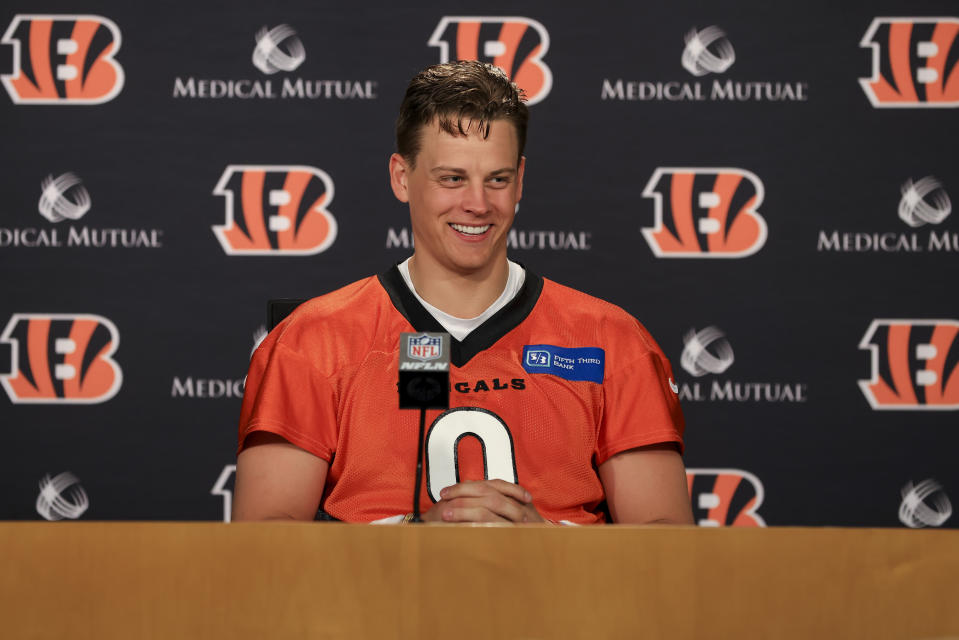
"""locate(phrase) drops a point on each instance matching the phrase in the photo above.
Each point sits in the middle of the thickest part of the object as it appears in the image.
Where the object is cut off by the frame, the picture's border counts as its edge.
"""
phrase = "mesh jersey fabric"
(325, 380)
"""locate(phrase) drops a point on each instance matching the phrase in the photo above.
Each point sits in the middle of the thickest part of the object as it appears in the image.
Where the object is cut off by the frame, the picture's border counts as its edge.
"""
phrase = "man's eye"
(452, 179)
(499, 181)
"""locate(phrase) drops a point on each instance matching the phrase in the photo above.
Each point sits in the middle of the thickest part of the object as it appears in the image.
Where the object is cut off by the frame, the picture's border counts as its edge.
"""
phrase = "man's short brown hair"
(461, 96)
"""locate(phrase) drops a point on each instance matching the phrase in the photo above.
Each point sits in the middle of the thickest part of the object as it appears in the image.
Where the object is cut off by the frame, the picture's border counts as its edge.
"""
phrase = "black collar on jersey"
(480, 338)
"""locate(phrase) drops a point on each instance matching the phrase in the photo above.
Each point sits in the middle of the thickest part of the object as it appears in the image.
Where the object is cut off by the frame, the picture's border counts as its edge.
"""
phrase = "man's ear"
(399, 175)
(519, 178)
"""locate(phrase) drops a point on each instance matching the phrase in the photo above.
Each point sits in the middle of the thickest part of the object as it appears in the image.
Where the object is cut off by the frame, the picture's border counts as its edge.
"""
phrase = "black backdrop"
(801, 444)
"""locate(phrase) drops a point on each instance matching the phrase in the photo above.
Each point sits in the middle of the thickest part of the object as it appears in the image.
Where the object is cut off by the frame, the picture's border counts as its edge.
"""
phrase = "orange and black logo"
(515, 45)
(61, 359)
(725, 497)
(63, 59)
(914, 364)
(915, 62)
(275, 210)
(705, 213)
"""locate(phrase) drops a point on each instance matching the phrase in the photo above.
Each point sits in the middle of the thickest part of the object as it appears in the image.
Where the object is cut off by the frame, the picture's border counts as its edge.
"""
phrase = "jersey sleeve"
(286, 395)
(640, 407)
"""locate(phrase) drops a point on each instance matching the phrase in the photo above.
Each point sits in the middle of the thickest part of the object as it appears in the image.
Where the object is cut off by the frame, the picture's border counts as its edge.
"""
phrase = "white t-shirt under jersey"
(459, 328)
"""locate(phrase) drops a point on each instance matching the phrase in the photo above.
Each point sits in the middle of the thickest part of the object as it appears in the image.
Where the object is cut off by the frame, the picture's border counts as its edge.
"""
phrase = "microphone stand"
(417, 487)
(424, 383)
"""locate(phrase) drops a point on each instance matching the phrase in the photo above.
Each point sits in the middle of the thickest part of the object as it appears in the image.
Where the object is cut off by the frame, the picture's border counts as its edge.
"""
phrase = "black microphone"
(424, 384)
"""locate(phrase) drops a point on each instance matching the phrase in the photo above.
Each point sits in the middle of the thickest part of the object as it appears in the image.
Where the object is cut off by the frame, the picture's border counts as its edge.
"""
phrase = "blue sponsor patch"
(583, 363)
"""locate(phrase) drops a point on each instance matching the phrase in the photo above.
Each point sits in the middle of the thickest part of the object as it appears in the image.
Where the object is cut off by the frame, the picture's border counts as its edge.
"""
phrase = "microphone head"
(424, 370)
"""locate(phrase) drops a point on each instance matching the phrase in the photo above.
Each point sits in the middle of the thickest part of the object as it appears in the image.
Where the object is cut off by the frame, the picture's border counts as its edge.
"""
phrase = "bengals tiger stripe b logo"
(515, 45)
(63, 59)
(275, 210)
(725, 497)
(915, 62)
(914, 364)
(61, 359)
(705, 213)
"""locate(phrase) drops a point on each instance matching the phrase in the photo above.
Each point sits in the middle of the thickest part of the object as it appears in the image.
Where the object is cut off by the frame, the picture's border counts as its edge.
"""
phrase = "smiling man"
(562, 406)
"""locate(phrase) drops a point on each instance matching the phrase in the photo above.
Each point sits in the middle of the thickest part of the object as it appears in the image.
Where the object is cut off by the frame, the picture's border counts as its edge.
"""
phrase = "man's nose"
(475, 200)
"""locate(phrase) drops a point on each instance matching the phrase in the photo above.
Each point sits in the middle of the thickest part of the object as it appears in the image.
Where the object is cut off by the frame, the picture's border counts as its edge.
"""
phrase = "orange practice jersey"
(542, 393)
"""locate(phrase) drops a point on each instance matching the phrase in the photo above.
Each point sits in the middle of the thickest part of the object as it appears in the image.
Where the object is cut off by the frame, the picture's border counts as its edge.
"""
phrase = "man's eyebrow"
(459, 171)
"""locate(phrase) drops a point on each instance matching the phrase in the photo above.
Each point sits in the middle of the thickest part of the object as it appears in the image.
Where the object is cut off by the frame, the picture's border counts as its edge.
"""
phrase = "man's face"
(462, 195)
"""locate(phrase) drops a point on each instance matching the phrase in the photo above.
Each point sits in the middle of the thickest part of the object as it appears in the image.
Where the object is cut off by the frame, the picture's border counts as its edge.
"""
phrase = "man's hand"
(484, 501)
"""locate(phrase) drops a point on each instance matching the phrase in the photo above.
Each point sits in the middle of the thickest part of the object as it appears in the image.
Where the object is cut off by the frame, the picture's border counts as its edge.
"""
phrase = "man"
(560, 403)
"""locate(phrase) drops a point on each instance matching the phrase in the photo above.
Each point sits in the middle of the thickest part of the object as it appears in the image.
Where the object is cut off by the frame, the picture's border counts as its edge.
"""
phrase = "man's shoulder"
(345, 300)
(345, 321)
(582, 303)
(608, 322)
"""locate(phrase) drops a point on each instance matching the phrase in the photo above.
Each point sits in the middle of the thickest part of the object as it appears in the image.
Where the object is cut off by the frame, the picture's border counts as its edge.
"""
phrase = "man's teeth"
(472, 231)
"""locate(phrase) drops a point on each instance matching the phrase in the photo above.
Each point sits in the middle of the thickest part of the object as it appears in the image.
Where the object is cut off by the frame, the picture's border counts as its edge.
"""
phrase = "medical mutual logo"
(706, 53)
(923, 206)
(514, 44)
(64, 200)
(706, 353)
(275, 210)
(58, 204)
(924, 505)
(60, 359)
(224, 487)
(278, 51)
(705, 213)
(914, 365)
(61, 497)
(63, 59)
(915, 62)
(924, 202)
(258, 337)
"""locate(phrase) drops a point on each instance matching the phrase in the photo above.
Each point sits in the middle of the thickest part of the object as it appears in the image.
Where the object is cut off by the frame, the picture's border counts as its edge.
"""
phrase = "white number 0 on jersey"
(499, 460)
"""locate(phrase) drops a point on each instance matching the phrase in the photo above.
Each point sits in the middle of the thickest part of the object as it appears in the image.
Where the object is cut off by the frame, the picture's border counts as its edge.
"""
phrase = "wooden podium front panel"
(306, 580)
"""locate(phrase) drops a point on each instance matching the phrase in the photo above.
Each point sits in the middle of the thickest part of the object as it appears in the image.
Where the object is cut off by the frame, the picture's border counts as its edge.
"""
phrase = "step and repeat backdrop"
(769, 190)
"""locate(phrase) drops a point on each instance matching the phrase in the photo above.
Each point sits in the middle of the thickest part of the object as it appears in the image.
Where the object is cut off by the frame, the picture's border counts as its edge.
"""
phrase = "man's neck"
(464, 295)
